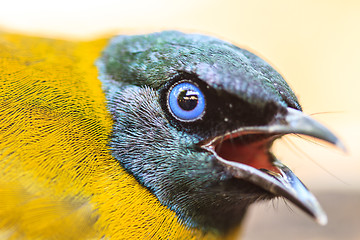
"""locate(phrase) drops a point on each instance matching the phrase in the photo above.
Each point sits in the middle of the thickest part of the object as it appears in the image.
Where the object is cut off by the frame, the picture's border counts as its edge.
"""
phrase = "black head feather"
(161, 151)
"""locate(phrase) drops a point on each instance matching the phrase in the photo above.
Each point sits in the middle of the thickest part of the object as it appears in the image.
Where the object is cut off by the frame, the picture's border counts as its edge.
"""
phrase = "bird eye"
(186, 101)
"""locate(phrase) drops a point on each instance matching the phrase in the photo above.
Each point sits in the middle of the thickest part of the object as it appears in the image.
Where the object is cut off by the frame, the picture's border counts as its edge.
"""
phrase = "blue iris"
(186, 101)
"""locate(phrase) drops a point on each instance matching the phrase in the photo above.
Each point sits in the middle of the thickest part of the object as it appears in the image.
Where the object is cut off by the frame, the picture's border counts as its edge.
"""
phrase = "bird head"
(194, 121)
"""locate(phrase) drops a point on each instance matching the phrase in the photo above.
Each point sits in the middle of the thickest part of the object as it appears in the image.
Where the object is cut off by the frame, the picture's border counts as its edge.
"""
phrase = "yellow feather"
(57, 178)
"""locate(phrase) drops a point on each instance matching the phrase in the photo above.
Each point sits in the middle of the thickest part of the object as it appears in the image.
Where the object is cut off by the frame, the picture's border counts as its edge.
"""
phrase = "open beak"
(245, 152)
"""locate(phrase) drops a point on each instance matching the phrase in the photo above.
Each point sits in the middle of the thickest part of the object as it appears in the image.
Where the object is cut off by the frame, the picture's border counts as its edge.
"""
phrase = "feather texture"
(57, 177)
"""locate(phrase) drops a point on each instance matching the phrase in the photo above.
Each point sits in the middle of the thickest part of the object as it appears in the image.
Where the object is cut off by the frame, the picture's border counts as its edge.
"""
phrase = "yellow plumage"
(57, 178)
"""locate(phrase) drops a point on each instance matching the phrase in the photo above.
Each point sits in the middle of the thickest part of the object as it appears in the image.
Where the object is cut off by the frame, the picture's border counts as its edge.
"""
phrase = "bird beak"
(250, 159)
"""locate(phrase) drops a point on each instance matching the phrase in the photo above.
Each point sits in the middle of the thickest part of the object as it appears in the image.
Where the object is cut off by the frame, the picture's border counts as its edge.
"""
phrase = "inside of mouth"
(251, 150)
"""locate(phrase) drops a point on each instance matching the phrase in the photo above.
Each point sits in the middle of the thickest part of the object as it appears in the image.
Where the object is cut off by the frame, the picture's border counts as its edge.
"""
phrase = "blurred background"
(314, 44)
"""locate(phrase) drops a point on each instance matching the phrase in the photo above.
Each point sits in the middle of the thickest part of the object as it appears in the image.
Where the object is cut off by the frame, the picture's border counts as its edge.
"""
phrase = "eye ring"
(186, 102)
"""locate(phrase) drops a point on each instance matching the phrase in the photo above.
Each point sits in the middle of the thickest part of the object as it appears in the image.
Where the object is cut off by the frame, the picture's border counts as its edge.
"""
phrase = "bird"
(164, 135)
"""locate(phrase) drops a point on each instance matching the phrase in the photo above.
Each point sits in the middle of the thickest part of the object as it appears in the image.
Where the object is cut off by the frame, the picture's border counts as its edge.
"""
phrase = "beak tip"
(303, 124)
(322, 219)
(341, 146)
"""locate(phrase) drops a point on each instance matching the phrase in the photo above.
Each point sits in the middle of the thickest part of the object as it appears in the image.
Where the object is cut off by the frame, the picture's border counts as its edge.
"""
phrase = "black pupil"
(188, 100)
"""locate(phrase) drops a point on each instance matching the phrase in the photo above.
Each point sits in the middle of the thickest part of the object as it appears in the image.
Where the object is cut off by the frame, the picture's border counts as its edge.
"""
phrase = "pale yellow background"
(314, 44)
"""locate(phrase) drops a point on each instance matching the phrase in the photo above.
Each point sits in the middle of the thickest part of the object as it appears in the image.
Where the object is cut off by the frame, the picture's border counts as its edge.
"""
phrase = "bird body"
(57, 177)
(84, 147)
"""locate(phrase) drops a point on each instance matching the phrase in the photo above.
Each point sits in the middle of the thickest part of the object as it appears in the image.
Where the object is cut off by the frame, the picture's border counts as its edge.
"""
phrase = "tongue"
(254, 154)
